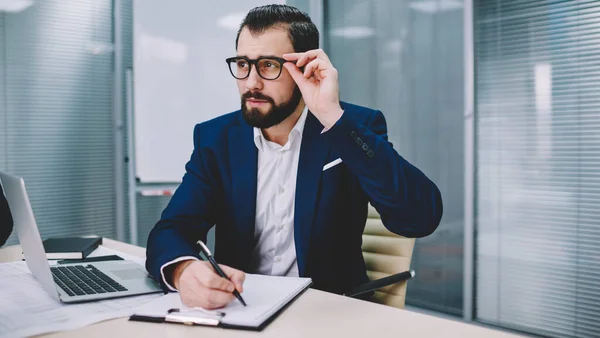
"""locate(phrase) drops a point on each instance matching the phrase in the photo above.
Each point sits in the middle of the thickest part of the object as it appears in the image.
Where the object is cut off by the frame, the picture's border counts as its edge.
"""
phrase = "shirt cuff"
(176, 260)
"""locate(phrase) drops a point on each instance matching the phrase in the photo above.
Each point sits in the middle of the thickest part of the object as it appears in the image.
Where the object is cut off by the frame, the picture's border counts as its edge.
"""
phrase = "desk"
(314, 314)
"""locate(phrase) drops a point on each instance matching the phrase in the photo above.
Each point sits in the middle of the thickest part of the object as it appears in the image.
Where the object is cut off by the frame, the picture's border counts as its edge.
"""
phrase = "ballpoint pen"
(212, 261)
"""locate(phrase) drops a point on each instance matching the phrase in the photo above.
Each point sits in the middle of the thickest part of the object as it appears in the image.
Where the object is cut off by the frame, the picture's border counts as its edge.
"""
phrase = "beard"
(275, 115)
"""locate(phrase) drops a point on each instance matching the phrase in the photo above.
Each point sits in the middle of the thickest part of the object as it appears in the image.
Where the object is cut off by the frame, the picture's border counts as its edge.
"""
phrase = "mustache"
(256, 96)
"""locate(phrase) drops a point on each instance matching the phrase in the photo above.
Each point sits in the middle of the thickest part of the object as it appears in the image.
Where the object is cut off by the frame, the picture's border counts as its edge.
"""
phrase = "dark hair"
(302, 31)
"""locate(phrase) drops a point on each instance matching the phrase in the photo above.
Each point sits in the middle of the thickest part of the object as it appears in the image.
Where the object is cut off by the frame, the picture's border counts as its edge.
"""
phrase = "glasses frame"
(253, 62)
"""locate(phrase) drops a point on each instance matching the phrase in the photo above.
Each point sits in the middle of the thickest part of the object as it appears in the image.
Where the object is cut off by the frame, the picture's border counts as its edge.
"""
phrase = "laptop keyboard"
(79, 280)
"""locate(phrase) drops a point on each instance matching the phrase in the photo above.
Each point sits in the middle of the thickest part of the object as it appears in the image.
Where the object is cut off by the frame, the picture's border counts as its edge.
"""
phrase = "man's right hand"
(199, 285)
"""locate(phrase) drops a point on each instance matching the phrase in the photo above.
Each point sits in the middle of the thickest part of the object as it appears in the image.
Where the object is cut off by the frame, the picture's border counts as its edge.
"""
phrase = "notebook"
(70, 247)
(266, 297)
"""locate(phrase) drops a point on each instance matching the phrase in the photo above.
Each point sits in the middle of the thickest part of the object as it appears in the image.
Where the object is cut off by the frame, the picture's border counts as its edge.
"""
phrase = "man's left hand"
(318, 84)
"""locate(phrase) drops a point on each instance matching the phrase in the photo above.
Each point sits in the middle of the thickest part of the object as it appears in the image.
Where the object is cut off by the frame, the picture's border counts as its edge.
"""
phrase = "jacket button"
(370, 153)
(365, 147)
(353, 135)
(359, 141)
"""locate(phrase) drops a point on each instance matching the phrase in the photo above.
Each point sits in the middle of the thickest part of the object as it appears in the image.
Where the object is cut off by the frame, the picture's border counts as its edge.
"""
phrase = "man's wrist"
(178, 270)
(333, 117)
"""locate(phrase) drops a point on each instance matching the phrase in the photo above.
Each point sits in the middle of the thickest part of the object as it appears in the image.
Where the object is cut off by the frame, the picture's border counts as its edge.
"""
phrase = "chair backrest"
(386, 254)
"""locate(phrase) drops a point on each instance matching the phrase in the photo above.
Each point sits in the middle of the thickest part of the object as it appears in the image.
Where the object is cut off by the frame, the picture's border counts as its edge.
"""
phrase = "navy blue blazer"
(219, 188)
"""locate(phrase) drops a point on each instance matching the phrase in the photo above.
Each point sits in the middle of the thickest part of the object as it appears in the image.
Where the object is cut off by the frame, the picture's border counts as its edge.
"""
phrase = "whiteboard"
(180, 77)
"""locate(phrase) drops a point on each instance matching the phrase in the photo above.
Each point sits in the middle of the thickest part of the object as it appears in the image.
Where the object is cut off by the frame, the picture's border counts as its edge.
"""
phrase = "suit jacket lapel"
(243, 160)
(313, 153)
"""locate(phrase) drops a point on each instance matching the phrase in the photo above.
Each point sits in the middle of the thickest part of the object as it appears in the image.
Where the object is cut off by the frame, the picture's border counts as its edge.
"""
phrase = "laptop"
(75, 282)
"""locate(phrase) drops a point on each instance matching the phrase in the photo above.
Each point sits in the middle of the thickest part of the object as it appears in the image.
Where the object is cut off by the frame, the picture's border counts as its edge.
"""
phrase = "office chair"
(386, 254)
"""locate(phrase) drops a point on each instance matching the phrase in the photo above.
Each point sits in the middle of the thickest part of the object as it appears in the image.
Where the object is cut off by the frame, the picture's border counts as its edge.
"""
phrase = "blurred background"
(497, 101)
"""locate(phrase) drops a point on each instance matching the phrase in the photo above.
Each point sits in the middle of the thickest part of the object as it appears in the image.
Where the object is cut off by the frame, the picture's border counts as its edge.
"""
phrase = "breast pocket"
(333, 171)
(332, 164)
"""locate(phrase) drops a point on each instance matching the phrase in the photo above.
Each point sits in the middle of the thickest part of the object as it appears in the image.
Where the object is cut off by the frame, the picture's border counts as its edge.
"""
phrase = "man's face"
(266, 103)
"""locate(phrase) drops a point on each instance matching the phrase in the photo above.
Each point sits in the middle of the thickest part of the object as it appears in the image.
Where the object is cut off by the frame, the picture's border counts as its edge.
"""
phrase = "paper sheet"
(26, 309)
(263, 294)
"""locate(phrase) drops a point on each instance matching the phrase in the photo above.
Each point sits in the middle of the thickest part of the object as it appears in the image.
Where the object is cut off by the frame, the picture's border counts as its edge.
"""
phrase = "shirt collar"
(295, 134)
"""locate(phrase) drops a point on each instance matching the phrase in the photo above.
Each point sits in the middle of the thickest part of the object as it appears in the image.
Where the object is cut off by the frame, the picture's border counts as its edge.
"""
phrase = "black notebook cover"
(70, 247)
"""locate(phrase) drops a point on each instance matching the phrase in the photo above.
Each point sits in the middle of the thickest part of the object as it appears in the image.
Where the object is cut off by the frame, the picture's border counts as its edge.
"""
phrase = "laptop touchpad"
(126, 274)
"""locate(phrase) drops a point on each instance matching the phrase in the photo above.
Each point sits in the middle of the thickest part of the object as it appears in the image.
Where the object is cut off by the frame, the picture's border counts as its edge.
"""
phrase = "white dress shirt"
(275, 250)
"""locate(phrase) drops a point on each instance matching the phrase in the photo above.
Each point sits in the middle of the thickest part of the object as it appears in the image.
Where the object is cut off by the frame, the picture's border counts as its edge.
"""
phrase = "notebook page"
(264, 295)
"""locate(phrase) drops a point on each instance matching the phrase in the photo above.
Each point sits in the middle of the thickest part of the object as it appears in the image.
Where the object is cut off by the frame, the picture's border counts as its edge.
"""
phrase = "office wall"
(303, 5)
(126, 35)
(406, 59)
(148, 208)
(57, 113)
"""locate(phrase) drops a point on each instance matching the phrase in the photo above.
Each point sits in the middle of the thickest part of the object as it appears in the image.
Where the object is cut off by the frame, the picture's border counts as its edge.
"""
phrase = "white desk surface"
(314, 314)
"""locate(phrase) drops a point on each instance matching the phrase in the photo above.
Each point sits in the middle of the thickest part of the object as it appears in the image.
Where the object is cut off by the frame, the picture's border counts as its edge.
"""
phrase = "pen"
(212, 261)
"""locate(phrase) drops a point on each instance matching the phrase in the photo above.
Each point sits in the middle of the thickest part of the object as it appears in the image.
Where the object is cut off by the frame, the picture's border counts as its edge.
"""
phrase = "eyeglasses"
(268, 67)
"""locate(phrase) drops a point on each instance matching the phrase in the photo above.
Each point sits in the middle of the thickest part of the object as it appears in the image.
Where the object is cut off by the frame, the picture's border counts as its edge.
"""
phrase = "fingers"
(296, 74)
(292, 56)
(199, 285)
(315, 67)
(303, 58)
(213, 281)
(237, 277)
(215, 299)
(206, 298)
(208, 278)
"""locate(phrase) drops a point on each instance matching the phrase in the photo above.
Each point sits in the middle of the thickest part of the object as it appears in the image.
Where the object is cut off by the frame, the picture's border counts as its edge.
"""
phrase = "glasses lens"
(239, 68)
(269, 68)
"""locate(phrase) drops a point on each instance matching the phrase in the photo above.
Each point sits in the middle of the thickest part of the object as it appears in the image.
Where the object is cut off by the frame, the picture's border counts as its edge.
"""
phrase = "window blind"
(58, 82)
(3, 116)
(537, 81)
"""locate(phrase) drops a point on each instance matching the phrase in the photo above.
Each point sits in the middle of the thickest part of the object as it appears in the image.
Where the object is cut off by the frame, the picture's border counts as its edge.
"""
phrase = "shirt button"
(278, 259)
(279, 228)
(281, 190)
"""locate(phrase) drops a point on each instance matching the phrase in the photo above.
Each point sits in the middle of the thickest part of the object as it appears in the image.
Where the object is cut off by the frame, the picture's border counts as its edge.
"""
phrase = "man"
(6, 221)
(288, 178)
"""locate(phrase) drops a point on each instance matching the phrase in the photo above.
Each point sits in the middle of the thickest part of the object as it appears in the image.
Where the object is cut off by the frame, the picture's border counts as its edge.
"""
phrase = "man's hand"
(199, 285)
(318, 84)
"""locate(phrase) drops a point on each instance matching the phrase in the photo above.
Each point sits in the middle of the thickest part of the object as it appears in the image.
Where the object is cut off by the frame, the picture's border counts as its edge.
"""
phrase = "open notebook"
(266, 296)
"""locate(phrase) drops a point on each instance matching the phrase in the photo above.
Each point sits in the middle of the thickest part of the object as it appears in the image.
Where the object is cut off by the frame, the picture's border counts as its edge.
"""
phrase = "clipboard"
(267, 297)
(194, 316)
